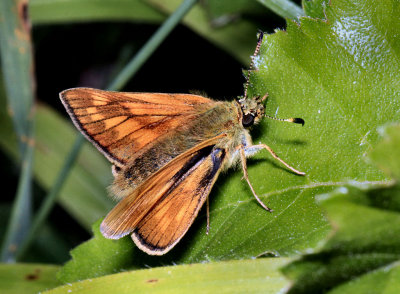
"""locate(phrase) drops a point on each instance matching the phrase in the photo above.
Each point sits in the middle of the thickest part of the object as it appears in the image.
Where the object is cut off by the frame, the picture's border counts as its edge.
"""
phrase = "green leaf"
(97, 257)
(366, 242)
(55, 11)
(385, 280)
(315, 8)
(27, 278)
(349, 63)
(364, 252)
(338, 74)
(245, 276)
(327, 73)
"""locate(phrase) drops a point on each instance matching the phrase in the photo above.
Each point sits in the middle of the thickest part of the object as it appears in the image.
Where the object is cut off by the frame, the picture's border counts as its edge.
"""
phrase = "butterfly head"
(252, 110)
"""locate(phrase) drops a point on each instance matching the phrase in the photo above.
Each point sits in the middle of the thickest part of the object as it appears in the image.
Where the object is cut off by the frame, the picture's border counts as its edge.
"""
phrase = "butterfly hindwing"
(169, 220)
(173, 195)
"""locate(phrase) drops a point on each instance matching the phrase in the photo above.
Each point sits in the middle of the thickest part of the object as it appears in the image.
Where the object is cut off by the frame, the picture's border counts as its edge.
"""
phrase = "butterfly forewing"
(124, 125)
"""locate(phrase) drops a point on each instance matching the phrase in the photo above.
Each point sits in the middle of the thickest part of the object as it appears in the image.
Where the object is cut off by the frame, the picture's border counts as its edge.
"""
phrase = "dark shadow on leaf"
(385, 198)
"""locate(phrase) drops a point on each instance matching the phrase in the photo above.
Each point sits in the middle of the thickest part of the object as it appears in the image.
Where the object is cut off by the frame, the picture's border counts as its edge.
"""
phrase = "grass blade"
(17, 65)
(21, 210)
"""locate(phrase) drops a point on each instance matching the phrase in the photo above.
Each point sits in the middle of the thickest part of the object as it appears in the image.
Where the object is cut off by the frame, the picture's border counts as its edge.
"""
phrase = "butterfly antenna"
(295, 120)
(259, 42)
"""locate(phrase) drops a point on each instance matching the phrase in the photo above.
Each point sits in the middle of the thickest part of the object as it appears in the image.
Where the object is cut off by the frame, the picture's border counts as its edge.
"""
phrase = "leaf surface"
(244, 276)
(364, 250)
(27, 278)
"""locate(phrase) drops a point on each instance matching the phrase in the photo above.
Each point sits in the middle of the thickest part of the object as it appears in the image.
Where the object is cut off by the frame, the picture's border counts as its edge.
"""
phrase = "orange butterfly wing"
(121, 124)
(161, 210)
(163, 227)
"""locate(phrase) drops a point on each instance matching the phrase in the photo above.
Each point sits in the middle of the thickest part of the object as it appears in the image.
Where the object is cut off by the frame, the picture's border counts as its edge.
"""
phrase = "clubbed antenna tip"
(295, 120)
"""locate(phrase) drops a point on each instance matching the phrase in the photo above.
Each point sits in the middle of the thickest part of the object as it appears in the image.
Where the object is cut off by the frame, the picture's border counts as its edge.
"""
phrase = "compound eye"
(248, 120)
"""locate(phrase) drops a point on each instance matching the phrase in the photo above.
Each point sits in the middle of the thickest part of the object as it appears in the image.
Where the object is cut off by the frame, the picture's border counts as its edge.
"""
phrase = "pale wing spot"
(101, 126)
(97, 117)
(86, 119)
(127, 128)
(86, 111)
(111, 122)
(99, 102)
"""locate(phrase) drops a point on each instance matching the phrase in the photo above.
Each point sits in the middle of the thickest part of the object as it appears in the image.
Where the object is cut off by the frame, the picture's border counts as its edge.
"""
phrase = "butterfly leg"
(245, 175)
(250, 150)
